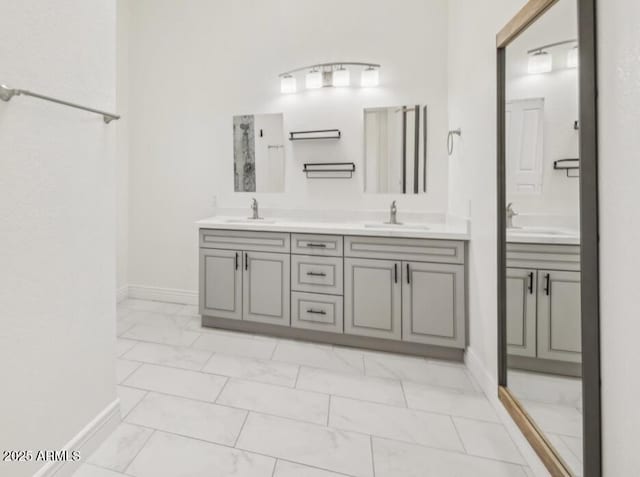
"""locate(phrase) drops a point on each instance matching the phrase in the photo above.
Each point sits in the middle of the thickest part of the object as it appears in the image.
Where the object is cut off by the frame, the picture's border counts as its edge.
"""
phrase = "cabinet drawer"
(245, 240)
(316, 312)
(325, 245)
(316, 274)
(543, 256)
(408, 249)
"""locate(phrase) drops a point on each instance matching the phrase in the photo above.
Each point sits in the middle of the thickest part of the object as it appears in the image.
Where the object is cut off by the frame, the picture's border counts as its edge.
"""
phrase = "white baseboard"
(122, 293)
(489, 386)
(86, 441)
(169, 295)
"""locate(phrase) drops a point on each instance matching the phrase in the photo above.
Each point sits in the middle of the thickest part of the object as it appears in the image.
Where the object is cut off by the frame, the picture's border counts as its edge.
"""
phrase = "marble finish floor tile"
(449, 401)
(261, 370)
(416, 427)
(324, 357)
(166, 355)
(88, 470)
(152, 318)
(310, 444)
(148, 305)
(366, 388)
(235, 345)
(290, 469)
(129, 398)
(399, 459)
(277, 400)
(567, 455)
(555, 419)
(124, 368)
(123, 345)
(179, 382)
(189, 310)
(487, 439)
(167, 455)
(162, 335)
(186, 417)
(119, 449)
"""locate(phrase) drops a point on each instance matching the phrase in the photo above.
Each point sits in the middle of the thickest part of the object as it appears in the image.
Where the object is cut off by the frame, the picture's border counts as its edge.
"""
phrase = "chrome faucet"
(393, 212)
(254, 210)
(510, 213)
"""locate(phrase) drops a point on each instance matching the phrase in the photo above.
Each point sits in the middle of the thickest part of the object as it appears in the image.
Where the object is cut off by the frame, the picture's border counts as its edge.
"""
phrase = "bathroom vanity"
(383, 288)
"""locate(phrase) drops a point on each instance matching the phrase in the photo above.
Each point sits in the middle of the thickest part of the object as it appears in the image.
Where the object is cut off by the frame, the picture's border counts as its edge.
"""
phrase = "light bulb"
(572, 58)
(288, 84)
(313, 80)
(370, 77)
(341, 77)
(540, 62)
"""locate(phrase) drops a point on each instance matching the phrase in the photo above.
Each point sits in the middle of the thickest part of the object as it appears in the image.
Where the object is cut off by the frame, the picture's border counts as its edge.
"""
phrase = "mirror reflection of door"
(543, 240)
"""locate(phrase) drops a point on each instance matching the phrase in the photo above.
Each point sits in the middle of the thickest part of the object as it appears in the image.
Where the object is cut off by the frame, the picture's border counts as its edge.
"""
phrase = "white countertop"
(454, 230)
(552, 236)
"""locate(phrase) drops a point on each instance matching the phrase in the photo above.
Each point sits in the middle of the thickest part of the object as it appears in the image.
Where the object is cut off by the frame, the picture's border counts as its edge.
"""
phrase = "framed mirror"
(258, 153)
(548, 322)
(395, 149)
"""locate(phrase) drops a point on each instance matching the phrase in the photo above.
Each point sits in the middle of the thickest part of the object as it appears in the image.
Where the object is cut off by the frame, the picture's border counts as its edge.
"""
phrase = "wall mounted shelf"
(318, 134)
(568, 165)
(329, 170)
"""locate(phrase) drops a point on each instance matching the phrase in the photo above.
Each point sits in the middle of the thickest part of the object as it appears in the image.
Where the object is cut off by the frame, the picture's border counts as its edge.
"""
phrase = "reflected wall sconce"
(337, 74)
(541, 60)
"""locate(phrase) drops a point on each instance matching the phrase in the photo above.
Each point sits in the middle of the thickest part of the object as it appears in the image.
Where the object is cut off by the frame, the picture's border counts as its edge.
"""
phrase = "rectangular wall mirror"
(258, 153)
(546, 179)
(395, 149)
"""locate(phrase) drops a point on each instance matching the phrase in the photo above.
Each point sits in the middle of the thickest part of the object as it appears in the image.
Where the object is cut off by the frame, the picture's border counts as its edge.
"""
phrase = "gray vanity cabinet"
(373, 298)
(221, 283)
(266, 288)
(559, 316)
(433, 304)
(521, 311)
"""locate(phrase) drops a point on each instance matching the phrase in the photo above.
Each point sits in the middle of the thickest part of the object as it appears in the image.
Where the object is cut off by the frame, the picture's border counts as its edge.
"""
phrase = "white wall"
(196, 63)
(619, 171)
(57, 222)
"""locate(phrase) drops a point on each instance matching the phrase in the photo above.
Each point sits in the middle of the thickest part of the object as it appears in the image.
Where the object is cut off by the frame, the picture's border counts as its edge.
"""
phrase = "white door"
(221, 283)
(267, 287)
(524, 134)
(521, 312)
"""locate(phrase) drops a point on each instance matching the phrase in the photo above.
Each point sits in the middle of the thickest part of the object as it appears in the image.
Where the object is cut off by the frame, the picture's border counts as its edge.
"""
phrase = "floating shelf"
(329, 170)
(310, 135)
(568, 165)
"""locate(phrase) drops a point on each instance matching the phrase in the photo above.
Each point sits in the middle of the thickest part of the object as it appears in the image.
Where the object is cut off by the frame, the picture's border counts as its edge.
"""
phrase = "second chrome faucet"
(255, 215)
(393, 214)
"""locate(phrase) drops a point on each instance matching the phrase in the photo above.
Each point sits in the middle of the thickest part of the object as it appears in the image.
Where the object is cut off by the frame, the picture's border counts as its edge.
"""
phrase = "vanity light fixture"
(572, 58)
(337, 74)
(540, 62)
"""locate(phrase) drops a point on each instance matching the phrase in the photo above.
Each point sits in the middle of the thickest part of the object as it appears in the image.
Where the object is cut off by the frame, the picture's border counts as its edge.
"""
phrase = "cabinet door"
(521, 312)
(221, 283)
(433, 304)
(267, 286)
(559, 319)
(372, 298)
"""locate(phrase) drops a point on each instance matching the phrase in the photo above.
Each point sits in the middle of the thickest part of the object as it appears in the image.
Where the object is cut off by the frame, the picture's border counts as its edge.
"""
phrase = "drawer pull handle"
(317, 274)
(317, 245)
(317, 312)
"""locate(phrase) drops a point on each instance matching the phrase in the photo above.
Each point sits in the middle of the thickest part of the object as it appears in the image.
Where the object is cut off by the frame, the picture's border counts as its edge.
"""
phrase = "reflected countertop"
(543, 235)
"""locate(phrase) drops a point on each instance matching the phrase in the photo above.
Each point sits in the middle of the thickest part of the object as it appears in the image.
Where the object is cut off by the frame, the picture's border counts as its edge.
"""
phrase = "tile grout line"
(246, 417)
(404, 395)
(373, 461)
(455, 427)
(139, 451)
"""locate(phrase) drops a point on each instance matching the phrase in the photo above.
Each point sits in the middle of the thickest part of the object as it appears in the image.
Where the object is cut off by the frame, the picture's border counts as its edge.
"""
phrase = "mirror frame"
(589, 278)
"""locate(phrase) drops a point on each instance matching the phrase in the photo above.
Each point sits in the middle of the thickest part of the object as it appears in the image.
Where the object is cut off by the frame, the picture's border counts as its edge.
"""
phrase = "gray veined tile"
(416, 427)
(395, 459)
(565, 420)
(566, 454)
(123, 345)
(261, 370)
(124, 368)
(487, 439)
(162, 335)
(179, 382)
(236, 345)
(280, 401)
(88, 470)
(449, 401)
(186, 417)
(129, 398)
(152, 318)
(189, 310)
(167, 455)
(310, 444)
(290, 469)
(366, 388)
(325, 357)
(148, 305)
(166, 355)
(119, 449)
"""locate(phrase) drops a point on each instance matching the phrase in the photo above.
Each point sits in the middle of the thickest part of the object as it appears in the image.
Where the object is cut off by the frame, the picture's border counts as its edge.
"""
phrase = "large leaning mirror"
(548, 349)
(258, 153)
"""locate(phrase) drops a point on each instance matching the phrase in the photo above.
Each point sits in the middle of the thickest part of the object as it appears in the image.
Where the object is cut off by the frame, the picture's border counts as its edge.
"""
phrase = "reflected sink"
(384, 226)
(250, 221)
(538, 231)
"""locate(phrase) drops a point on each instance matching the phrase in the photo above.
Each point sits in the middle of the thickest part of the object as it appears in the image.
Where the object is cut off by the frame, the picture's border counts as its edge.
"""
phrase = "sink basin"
(383, 226)
(538, 231)
(250, 221)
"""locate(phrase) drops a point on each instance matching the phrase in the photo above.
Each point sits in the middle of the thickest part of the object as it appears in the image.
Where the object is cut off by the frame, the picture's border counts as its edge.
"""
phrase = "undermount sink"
(538, 231)
(250, 221)
(386, 226)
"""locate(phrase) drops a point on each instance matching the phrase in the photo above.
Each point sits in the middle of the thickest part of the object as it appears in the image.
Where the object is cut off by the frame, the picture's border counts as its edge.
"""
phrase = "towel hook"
(457, 132)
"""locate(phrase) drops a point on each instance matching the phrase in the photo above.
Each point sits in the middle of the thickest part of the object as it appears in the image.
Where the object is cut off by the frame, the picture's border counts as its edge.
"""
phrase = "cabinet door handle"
(237, 260)
(395, 273)
(408, 274)
(317, 312)
(547, 284)
(317, 245)
(530, 283)
(246, 261)
(317, 274)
